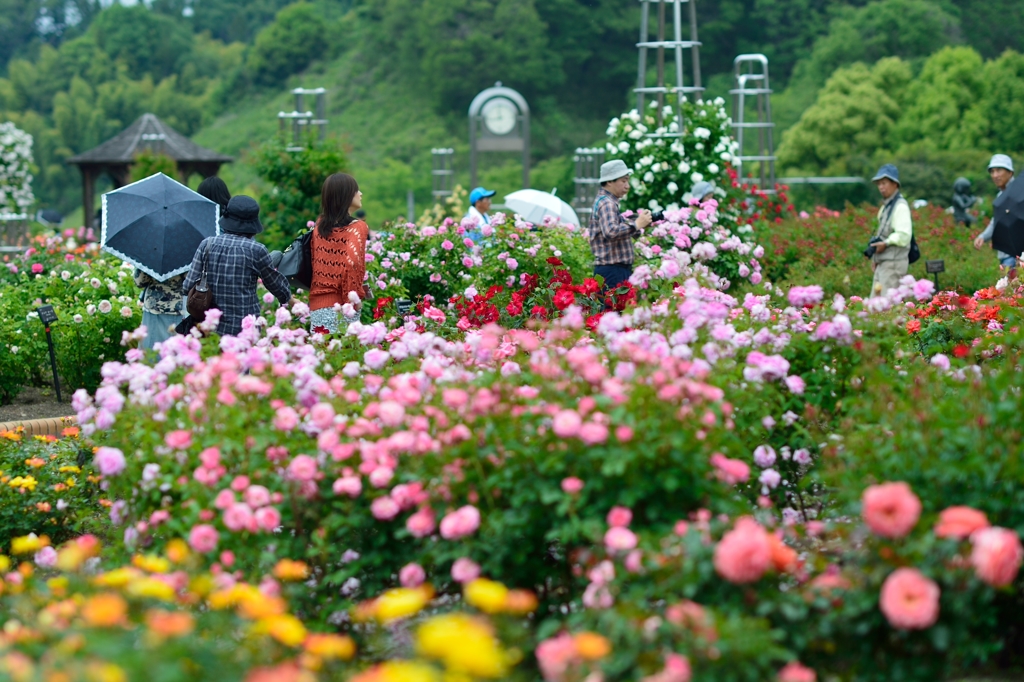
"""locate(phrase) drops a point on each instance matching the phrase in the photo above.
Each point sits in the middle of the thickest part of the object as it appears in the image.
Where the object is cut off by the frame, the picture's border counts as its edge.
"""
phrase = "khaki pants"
(888, 274)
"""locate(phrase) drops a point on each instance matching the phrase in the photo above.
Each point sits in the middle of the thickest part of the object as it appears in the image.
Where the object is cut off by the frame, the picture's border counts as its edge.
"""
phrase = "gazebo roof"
(148, 133)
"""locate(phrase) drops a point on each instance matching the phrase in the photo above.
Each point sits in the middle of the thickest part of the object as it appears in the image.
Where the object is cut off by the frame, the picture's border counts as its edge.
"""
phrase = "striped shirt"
(235, 265)
(611, 235)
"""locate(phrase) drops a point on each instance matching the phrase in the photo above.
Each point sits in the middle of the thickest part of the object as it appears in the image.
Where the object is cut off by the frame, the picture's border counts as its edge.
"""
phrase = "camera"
(870, 251)
(657, 216)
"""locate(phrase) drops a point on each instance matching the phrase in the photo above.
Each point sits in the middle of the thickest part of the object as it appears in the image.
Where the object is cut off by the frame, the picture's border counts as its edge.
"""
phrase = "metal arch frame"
(677, 44)
(521, 140)
(744, 68)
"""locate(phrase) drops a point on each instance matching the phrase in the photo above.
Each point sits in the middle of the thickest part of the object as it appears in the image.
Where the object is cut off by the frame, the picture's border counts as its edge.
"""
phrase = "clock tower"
(499, 121)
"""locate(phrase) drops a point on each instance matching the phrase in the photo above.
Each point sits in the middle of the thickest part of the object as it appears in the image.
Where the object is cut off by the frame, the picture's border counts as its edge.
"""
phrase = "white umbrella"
(533, 206)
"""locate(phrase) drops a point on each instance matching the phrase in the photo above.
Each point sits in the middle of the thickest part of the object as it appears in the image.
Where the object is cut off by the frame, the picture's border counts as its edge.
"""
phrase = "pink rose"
(460, 523)
(203, 538)
(384, 509)
(257, 496)
(286, 419)
(567, 423)
(412, 575)
(619, 539)
(421, 524)
(110, 461)
(909, 600)
(391, 413)
(268, 518)
(996, 556)
(572, 485)
(795, 672)
(210, 457)
(224, 499)
(465, 570)
(381, 476)
(745, 552)
(624, 434)
(238, 517)
(890, 509)
(960, 522)
(731, 471)
(322, 415)
(677, 669)
(348, 485)
(794, 383)
(593, 433)
(46, 557)
(37, 268)
(619, 517)
(179, 440)
(302, 468)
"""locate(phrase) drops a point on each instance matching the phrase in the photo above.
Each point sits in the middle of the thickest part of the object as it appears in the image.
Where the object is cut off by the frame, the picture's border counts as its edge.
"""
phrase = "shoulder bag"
(296, 262)
(200, 298)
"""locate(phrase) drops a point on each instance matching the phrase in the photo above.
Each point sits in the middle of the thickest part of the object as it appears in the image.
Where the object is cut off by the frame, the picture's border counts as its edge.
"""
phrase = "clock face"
(500, 116)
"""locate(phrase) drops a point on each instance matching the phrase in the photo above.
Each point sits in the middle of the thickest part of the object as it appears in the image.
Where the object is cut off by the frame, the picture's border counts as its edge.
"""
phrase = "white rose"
(623, 147)
(713, 167)
(726, 156)
(672, 187)
(635, 135)
(696, 177)
(656, 168)
(699, 146)
(702, 133)
(648, 177)
(684, 167)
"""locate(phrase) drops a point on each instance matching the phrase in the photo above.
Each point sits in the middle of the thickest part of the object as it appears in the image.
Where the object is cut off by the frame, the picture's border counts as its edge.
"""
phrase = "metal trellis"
(677, 45)
(752, 82)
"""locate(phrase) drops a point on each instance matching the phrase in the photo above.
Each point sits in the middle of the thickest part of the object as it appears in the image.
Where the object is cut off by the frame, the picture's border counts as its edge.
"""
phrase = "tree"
(297, 36)
(851, 121)
(908, 29)
(994, 120)
(949, 84)
(147, 43)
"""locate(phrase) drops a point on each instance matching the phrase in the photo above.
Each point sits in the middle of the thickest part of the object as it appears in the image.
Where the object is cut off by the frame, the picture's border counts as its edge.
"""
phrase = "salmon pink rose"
(203, 538)
(745, 552)
(960, 522)
(996, 556)
(890, 509)
(795, 672)
(909, 600)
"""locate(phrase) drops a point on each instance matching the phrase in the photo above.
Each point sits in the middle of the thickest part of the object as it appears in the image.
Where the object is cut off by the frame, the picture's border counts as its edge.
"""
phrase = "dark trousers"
(614, 275)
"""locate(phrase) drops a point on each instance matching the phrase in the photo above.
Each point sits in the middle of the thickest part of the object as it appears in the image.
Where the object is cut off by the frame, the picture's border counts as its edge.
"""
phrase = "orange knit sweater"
(339, 265)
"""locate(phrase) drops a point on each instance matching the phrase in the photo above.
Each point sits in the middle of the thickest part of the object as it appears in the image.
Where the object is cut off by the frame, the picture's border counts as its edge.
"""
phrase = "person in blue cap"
(479, 205)
(891, 243)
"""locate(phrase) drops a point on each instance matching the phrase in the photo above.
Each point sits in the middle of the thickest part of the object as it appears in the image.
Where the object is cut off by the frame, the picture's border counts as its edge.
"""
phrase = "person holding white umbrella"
(611, 235)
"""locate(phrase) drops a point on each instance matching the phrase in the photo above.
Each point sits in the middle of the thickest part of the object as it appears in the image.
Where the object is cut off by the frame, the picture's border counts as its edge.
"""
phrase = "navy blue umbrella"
(1008, 212)
(156, 224)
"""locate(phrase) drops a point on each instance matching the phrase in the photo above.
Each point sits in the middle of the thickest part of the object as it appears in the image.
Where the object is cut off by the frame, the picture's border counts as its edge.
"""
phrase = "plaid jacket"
(611, 235)
(235, 265)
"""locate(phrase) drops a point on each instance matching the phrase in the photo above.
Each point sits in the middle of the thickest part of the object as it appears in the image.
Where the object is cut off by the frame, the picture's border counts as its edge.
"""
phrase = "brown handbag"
(200, 298)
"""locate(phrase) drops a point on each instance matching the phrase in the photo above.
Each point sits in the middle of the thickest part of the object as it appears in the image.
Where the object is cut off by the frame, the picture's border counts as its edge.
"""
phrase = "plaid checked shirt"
(611, 235)
(235, 264)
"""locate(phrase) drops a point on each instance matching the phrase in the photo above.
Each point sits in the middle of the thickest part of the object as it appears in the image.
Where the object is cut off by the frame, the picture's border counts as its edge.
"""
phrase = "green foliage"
(145, 42)
(851, 121)
(297, 36)
(149, 163)
(296, 180)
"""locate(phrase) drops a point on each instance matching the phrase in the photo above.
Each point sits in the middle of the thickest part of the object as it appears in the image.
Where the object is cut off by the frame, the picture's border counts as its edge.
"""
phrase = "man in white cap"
(611, 235)
(891, 258)
(1000, 169)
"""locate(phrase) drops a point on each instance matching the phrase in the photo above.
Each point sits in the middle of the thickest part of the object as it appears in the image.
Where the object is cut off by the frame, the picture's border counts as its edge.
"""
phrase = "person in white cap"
(611, 235)
(1000, 169)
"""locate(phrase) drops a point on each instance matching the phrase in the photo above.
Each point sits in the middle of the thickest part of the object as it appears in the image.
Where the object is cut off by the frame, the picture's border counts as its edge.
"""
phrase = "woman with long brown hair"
(338, 250)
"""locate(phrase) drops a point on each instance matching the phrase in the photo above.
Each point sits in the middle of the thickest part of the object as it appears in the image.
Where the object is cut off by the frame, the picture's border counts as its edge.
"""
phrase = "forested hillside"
(401, 73)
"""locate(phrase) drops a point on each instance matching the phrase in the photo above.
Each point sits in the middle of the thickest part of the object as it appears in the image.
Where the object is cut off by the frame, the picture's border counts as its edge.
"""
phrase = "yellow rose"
(486, 595)
(289, 570)
(401, 602)
(331, 646)
(399, 671)
(151, 588)
(119, 577)
(105, 672)
(285, 628)
(29, 544)
(177, 550)
(151, 563)
(464, 644)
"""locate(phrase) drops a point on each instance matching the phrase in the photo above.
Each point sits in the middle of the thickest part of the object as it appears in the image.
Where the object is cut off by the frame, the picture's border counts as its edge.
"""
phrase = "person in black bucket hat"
(234, 263)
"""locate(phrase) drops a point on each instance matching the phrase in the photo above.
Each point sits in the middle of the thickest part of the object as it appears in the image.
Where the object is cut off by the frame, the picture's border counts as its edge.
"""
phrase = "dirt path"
(36, 403)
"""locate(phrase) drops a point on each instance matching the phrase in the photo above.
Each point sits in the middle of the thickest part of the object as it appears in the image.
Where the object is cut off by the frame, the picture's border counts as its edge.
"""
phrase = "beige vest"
(885, 229)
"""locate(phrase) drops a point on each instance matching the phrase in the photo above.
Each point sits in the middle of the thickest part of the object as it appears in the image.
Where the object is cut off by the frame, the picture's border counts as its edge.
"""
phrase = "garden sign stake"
(933, 268)
(47, 316)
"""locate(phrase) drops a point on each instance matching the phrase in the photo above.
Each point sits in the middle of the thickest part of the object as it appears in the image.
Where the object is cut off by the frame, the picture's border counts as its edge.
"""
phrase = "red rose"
(564, 298)
(554, 261)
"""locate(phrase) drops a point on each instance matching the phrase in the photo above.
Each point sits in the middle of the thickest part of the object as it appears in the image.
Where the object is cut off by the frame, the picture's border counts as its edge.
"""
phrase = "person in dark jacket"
(234, 263)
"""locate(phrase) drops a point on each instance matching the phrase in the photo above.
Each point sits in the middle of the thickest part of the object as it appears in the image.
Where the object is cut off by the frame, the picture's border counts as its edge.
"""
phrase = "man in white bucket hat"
(611, 235)
(1000, 169)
